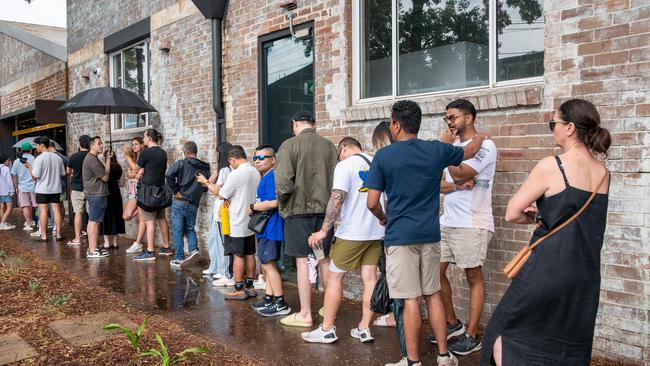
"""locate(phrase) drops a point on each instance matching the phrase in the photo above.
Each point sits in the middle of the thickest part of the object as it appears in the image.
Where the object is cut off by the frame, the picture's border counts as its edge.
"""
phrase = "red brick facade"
(48, 88)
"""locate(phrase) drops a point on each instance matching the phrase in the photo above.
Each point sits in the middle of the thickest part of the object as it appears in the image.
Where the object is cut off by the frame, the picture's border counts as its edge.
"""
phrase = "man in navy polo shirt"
(409, 172)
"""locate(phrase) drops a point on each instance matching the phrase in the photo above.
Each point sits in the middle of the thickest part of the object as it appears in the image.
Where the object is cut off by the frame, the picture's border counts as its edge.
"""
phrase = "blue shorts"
(269, 250)
(6, 199)
(97, 208)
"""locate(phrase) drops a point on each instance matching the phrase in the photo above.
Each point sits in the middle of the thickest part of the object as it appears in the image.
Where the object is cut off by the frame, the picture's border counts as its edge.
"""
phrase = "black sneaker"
(452, 331)
(466, 345)
(275, 309)
(261, 304)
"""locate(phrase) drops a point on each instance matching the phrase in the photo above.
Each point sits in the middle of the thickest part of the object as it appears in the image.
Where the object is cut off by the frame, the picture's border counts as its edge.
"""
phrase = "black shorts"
(45, 198)
(297, 230)
(239, 246)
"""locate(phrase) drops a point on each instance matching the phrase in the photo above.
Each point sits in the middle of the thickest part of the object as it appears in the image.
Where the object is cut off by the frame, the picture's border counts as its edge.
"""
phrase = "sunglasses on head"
(452, 118)
(261, 157)
(551, 124)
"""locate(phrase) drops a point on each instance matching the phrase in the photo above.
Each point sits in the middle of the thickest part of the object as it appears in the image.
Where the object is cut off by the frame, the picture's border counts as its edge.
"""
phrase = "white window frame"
(146, 84)
(357, 24)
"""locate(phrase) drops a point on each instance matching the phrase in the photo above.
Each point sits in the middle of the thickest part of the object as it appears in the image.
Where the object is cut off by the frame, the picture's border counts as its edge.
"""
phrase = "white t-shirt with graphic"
(458, 204)
(241, 190)
(357, 222)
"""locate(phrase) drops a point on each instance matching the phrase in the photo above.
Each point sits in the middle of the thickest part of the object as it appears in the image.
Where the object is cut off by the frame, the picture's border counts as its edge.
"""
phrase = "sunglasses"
(261, 157)
(452, 118)
(551, 124)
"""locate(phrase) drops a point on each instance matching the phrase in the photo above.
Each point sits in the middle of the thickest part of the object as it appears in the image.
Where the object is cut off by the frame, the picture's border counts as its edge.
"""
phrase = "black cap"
(303, 115)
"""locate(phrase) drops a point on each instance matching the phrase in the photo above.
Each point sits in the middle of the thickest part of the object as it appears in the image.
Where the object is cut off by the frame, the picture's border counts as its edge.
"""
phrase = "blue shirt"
(410, 172)
(25, 181)
(266, 192)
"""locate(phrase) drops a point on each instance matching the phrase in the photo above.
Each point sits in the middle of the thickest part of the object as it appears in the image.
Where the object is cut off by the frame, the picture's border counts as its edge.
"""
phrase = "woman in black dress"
(547, 315)
(113, 222)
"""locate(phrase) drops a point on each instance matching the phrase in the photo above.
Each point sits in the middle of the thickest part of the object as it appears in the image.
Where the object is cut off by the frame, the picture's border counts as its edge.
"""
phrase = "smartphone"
(533, 217)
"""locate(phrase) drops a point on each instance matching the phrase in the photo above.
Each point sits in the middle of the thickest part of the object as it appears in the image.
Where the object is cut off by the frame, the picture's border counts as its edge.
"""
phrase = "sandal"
(293, 322)
(72, 242)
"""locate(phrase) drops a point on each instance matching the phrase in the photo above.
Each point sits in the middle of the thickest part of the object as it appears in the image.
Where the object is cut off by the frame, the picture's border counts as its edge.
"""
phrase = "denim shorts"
(96, 208)
(6, 199)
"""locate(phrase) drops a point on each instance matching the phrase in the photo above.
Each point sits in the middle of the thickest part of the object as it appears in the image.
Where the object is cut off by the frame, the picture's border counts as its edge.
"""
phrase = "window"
(129, 69)
(409, 47)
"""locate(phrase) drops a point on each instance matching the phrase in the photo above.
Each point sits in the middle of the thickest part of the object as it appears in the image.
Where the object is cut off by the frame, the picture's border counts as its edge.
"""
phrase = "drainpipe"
(215, 10)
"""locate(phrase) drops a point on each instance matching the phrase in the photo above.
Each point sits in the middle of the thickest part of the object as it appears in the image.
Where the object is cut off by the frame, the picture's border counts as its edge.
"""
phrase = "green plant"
(3, 255)
(34, 285)
(58, 300)
(163, 353)
(133, 336)
(12, 263)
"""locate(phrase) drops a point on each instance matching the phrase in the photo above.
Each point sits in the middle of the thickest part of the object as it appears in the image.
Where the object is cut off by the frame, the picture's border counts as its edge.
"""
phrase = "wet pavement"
(188, 298)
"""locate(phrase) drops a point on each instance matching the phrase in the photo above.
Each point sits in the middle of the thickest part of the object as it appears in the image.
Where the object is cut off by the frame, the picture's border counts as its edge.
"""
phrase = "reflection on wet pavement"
(188, 298)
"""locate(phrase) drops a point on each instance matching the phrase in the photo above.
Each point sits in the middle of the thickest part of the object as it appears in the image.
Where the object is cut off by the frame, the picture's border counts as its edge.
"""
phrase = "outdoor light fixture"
(289, 7)
(165, 46)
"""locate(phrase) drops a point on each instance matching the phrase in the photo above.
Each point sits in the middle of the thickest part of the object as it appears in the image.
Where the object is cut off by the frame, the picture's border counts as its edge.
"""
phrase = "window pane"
(520, 39)
(117, 71)
(376, 64)
(443, 45)
(135, 70)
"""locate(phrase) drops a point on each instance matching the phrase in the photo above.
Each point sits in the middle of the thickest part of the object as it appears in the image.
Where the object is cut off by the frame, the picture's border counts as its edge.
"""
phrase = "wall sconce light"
(290, 7)
(165, 46)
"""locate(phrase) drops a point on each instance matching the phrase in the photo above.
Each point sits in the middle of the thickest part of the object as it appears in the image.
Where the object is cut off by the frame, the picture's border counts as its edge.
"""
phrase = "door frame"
(261, 71)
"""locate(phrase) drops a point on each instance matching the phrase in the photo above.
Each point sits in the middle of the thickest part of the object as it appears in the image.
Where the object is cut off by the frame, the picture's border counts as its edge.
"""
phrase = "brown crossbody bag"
(517, 263)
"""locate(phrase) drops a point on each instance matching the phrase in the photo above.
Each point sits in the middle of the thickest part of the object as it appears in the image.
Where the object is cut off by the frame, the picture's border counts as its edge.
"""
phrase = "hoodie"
(181, 177)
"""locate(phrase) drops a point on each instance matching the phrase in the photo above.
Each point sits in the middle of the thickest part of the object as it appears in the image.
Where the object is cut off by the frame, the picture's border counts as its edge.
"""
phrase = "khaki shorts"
(465, 247)
(151, 216)
(26, 199)
(78, 199)
(413, 270)
(351, 254)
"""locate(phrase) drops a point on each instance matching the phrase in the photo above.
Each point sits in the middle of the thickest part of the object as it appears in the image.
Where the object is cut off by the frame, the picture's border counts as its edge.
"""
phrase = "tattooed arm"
(333, 210)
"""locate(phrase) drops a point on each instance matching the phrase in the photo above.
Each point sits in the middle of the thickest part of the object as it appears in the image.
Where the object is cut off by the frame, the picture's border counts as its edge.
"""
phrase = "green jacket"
(304, 171)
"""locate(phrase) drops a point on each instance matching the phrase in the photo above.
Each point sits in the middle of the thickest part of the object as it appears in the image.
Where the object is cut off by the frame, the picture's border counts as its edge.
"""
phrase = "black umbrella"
(107, 100)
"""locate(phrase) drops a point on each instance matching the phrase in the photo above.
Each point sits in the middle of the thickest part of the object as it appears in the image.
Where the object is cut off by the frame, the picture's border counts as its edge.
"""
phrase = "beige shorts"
(413, 270)
(151, 216)
(465, 247)
(78, 199)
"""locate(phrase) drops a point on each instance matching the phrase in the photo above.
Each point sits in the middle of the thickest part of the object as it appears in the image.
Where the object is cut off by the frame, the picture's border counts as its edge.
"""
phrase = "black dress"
(113, 222)
(547, 315)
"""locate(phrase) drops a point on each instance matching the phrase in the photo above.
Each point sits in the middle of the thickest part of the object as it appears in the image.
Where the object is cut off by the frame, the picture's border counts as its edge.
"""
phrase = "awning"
(37, 128)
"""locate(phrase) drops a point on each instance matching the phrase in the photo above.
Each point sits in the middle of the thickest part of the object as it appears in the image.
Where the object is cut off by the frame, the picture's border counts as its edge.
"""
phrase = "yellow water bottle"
(225, 219)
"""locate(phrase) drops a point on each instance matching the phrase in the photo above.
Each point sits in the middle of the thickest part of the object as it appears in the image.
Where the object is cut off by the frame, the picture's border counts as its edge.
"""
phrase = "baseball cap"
(26, 146)
(303, 115)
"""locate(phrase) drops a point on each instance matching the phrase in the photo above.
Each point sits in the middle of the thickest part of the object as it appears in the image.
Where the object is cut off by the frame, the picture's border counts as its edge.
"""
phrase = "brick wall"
(24, 59)
(48, 88)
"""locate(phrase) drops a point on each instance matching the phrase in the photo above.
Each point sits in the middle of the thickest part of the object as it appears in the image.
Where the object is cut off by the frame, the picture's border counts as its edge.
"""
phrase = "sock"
(279, 299)
(411, 363)
(249, 282)
(268, 299)
(443, 354)
(239, 286)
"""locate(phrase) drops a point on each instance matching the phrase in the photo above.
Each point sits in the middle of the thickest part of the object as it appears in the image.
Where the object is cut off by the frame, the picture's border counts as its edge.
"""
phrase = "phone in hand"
(533, 217)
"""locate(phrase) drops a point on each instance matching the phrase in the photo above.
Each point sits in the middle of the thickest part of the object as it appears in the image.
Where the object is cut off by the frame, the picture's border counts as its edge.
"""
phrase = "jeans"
(183, 221)
(215, 248)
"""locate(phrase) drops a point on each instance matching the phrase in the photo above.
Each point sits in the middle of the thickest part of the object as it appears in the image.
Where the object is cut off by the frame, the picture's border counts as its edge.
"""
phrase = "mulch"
(27, 312)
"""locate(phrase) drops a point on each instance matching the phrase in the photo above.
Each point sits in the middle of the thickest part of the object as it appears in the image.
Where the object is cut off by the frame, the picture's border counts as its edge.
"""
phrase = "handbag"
(258, 221)
(380, 301)
(153, 198)
(517, 263)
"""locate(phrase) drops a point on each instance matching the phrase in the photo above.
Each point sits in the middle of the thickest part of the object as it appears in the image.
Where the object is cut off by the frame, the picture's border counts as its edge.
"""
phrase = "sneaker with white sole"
(275, 309)
(466, 345)
(96, 254)
(363, 335)
(36, 234)
(4, 226)
(224, 282)
(28, 227)
(146, 256)
(193, 259)
(165, 251)
(260, 284)
(319, 335)
(452, 331)
(135, 248)
(403, 362)
(449, 360)
(175, 263)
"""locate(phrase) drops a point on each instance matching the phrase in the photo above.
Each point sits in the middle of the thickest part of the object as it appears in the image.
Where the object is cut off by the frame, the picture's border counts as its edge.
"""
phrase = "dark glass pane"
(288, 85)
(135, 69)
(376, 49)
(443, 45)
(520, 39)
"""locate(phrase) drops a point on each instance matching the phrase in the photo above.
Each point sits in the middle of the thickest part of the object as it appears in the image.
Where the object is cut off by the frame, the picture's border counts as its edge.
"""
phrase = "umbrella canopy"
(107, 100)
(31, 141)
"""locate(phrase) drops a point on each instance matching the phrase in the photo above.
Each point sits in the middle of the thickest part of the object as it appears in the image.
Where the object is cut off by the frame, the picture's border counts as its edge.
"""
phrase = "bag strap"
(572, 218)
(364, 158)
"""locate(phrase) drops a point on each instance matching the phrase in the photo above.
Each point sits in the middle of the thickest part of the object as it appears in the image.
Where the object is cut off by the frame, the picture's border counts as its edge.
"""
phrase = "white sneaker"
(4, 226)
(402, 362)
(11, 227)
(449, 360)
(96, 254)
(260, 284)
(28, 227)
(363, 335)
(319, 335)
(35, 234)
(224, 282)
(207, 272)
(135, 248)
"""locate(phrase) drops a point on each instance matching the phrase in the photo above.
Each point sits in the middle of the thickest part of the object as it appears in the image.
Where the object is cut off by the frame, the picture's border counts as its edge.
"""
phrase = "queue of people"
(337, 209)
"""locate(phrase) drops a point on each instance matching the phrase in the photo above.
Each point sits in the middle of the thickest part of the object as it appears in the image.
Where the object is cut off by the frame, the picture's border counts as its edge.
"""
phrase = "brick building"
(32, 82)
(350, 59)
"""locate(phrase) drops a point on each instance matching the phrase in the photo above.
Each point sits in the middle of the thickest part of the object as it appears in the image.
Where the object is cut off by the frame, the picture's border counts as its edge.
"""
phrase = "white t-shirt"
(221, 180)
(357, 222)
(48, 168)
(458, 204)
(240, 189)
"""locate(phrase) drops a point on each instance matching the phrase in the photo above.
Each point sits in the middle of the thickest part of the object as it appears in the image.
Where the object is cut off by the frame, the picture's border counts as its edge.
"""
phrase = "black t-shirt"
(75, 163)
(154, 161)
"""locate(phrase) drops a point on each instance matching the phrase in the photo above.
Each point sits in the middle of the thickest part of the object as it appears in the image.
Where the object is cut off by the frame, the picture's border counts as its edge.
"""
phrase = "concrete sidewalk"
(189, 299)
